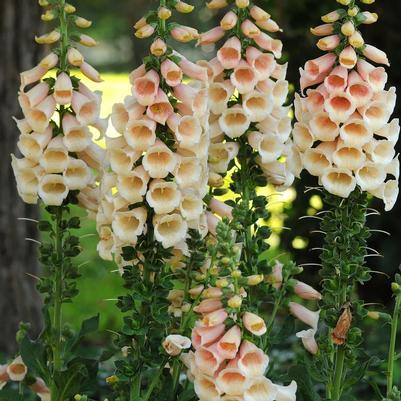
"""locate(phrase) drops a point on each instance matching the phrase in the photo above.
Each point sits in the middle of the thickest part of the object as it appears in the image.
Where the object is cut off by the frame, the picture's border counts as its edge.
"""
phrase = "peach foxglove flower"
(376, 55)
(38, 117)
(140, 134)
(253, 323)
(230, 54)
(63, 89)
(161, 109)
(145, 88)
(229, 21)
(127, 226)
(174, 344)
(305, 315)
(159, 160)
(74, 57)
(308, 340)
(206, 388)
(305, 291)
(163, 196)
(234, 122)
(260, 388)
(77, 174)
(17, 370)
(53, 189)
(253, 362)
(287, 393)
(170, 229)
(228, 345)
(212, 36)
(232, 381)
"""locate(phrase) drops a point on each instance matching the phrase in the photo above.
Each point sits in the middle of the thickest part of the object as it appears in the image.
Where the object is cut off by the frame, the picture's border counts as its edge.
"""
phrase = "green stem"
(64, 42)
(57, 306)
(393, 338)
(338, 374)
(154, 382)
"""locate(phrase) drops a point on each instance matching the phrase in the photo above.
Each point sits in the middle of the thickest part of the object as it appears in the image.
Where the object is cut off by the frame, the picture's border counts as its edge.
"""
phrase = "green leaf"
(89, 326)
(8, 394)
(305, 391)
(34, 355)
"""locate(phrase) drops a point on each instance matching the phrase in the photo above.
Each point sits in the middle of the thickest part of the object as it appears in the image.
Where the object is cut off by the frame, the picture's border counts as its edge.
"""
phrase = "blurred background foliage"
(119, 52)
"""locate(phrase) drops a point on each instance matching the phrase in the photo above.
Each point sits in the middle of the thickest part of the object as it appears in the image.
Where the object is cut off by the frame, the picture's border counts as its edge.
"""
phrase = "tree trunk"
(19, 301)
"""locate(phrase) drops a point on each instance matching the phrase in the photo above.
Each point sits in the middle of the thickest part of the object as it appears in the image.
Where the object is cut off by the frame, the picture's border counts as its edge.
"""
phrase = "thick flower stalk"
(59, 167)
(345, 137)
(151, 217)
(250, 146)
(228, 361)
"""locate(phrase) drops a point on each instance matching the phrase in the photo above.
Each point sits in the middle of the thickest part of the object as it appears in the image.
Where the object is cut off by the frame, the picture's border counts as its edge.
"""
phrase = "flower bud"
(215, 180)
(83, 23)
(144, 32)
(164, 13)
(158, 47)
(184, 8)
(352, 12)
(112, 379)
(140, 23)
(69, 8)
(242, 3)
(344, 2)
(343, 325)
(235, 302)
(216, 4)
(331, 17)
(356, 40)
(368, 1)
(348, 28)
(236, 274)
(396, 288)
(43, 3)
(48, 38)
(255, 279)
(74, 57)
(368, 17)
(374, 315)
(222, 283)
(87, 41)
(49, 15)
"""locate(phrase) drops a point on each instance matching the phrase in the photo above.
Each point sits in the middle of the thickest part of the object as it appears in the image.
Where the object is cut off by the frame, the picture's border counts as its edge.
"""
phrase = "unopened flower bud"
(236, 274)
(344, 2)
(331, 17)
(374, 315)
(352, 12)
(43, 3)
(255, 279)
(226, 260)
(77, 397)
(140, 23)
(348, 28)
(356, 40)
(196, 291)
(200, 277)
(222, 283)
(87, 41)
(83, 23)
(158, 47)
(74, 57)
(215, 180)
(368, 17)
(216, 4)
(69, 8)
(242, 3)
(164, 13)
(48, 38)
(214, 271)
(144, 32)
(49, 15)
(112, 379)
(235, 302)
(368, 1)
(183, 7)
(396, 288)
